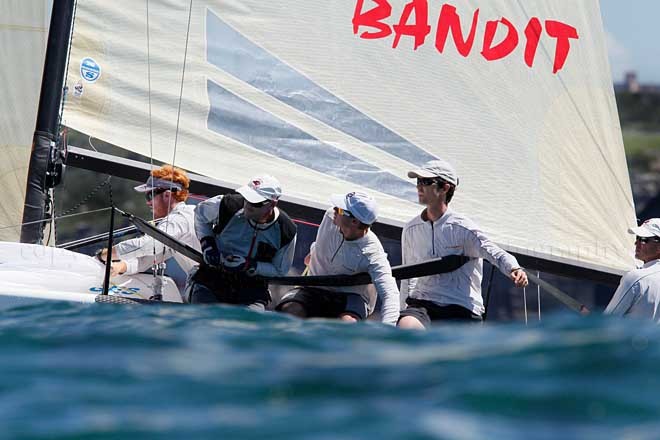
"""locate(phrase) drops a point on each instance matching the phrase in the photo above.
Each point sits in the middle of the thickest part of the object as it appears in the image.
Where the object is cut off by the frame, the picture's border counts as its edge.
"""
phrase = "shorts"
(319, 303)
(208, 286)
(427, 312)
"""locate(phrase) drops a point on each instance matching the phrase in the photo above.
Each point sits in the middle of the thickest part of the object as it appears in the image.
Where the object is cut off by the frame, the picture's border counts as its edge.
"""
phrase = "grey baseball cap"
(436, 168)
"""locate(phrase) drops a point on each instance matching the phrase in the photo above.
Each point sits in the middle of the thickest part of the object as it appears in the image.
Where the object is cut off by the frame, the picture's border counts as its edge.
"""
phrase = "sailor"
(244, 237)
(166, 191)
(638, 294)
(345, 245)
(439, 231)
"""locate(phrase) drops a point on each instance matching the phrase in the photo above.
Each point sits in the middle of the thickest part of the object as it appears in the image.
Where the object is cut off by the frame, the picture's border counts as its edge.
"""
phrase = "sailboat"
(334, 95)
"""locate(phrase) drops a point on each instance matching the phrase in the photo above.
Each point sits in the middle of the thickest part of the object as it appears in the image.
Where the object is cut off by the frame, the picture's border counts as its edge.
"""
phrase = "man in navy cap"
(345, 245)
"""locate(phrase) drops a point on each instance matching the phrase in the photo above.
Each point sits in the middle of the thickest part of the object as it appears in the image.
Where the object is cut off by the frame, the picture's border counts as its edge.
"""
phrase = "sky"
(633, 38)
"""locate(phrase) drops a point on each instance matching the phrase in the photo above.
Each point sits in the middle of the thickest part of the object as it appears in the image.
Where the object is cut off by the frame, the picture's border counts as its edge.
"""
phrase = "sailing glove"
(236, 264)
(210, 251)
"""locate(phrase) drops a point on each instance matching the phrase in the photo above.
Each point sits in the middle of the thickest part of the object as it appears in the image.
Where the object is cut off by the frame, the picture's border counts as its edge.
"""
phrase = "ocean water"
(117, 372)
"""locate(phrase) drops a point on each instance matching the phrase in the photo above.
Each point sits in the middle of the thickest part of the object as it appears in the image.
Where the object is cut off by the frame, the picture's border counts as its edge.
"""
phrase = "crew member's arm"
(206, 215)
(280, 264)
(479, 246)
(139, 254)
(624, 298)
(381, 275)
(407, 286)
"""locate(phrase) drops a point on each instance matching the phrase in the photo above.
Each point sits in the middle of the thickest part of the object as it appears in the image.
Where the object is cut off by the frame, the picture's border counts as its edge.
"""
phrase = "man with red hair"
(166, 191)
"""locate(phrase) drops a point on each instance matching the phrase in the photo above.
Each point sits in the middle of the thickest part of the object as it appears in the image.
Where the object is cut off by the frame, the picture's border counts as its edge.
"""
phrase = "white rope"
(158, 271)
(525, 302)
(183, 76)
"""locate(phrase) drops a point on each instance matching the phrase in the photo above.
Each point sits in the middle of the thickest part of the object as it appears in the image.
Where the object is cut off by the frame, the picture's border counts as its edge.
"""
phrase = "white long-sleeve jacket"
(638, 294)
(451, 234)
(331, 254)
(138, 253)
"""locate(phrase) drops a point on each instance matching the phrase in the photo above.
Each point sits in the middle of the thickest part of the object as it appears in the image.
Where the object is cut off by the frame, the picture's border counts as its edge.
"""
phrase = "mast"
(45, 165)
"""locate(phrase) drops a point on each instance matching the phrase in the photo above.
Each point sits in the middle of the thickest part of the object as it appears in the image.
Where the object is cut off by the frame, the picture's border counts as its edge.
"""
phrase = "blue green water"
(103, 371)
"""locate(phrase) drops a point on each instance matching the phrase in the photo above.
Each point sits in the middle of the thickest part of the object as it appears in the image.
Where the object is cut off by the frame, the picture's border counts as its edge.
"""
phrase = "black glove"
(210, 251)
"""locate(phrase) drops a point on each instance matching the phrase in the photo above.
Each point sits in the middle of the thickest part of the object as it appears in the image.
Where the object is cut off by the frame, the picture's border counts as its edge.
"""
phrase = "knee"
(410, 322)
(200, 294)
(347, 317)
(293, 308)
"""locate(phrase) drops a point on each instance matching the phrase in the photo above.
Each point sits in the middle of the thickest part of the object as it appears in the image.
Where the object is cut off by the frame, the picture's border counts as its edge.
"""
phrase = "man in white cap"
(345, 245)
(439, 231)
(242, 235)
(166, 191)
(638, 294)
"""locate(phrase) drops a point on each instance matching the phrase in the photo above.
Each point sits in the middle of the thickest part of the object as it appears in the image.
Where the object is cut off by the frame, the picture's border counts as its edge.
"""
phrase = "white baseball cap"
(436, 168)
(361, 205)
(261, 188)
(650, 228)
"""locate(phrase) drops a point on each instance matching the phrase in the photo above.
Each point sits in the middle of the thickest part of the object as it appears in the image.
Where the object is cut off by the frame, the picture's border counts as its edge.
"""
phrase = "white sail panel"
(23, 35)
(310, 92)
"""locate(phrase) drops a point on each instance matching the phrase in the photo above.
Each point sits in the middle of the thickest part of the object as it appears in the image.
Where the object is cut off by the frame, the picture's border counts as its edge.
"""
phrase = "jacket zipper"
(337, 251)
(249, 254)
(432, 240)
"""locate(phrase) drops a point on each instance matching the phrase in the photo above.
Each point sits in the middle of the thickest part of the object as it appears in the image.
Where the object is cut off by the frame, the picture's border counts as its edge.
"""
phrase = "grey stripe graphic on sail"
(230, 51)
(233, 117)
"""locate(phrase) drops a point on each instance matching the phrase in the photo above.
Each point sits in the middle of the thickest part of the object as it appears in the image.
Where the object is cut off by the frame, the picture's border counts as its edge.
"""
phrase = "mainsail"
(335, 95)
(23, 34)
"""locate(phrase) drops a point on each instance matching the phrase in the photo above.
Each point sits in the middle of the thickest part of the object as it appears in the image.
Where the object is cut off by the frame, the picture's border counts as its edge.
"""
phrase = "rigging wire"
(183, 76)
(151, 143)
(159, 268)
(538, 293)
(525, 303)
(56, 218)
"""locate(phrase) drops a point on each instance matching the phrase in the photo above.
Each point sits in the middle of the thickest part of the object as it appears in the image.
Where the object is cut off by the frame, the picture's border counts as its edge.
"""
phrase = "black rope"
(445, 264)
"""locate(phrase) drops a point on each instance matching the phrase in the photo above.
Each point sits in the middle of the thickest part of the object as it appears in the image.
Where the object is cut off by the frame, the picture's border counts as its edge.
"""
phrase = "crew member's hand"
(118, 268)
(102, 255)
(210, 251)
(519, 277)
(233, 264)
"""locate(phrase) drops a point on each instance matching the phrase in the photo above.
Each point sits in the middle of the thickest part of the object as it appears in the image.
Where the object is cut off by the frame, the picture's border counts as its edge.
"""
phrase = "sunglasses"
(428, 181)
(343, 212)
(259, 204)
(645, 240)
(149, 195)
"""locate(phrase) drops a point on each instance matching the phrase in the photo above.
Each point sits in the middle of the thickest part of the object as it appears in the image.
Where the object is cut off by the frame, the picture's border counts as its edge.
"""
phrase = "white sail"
(23, 35)
(332, 95)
